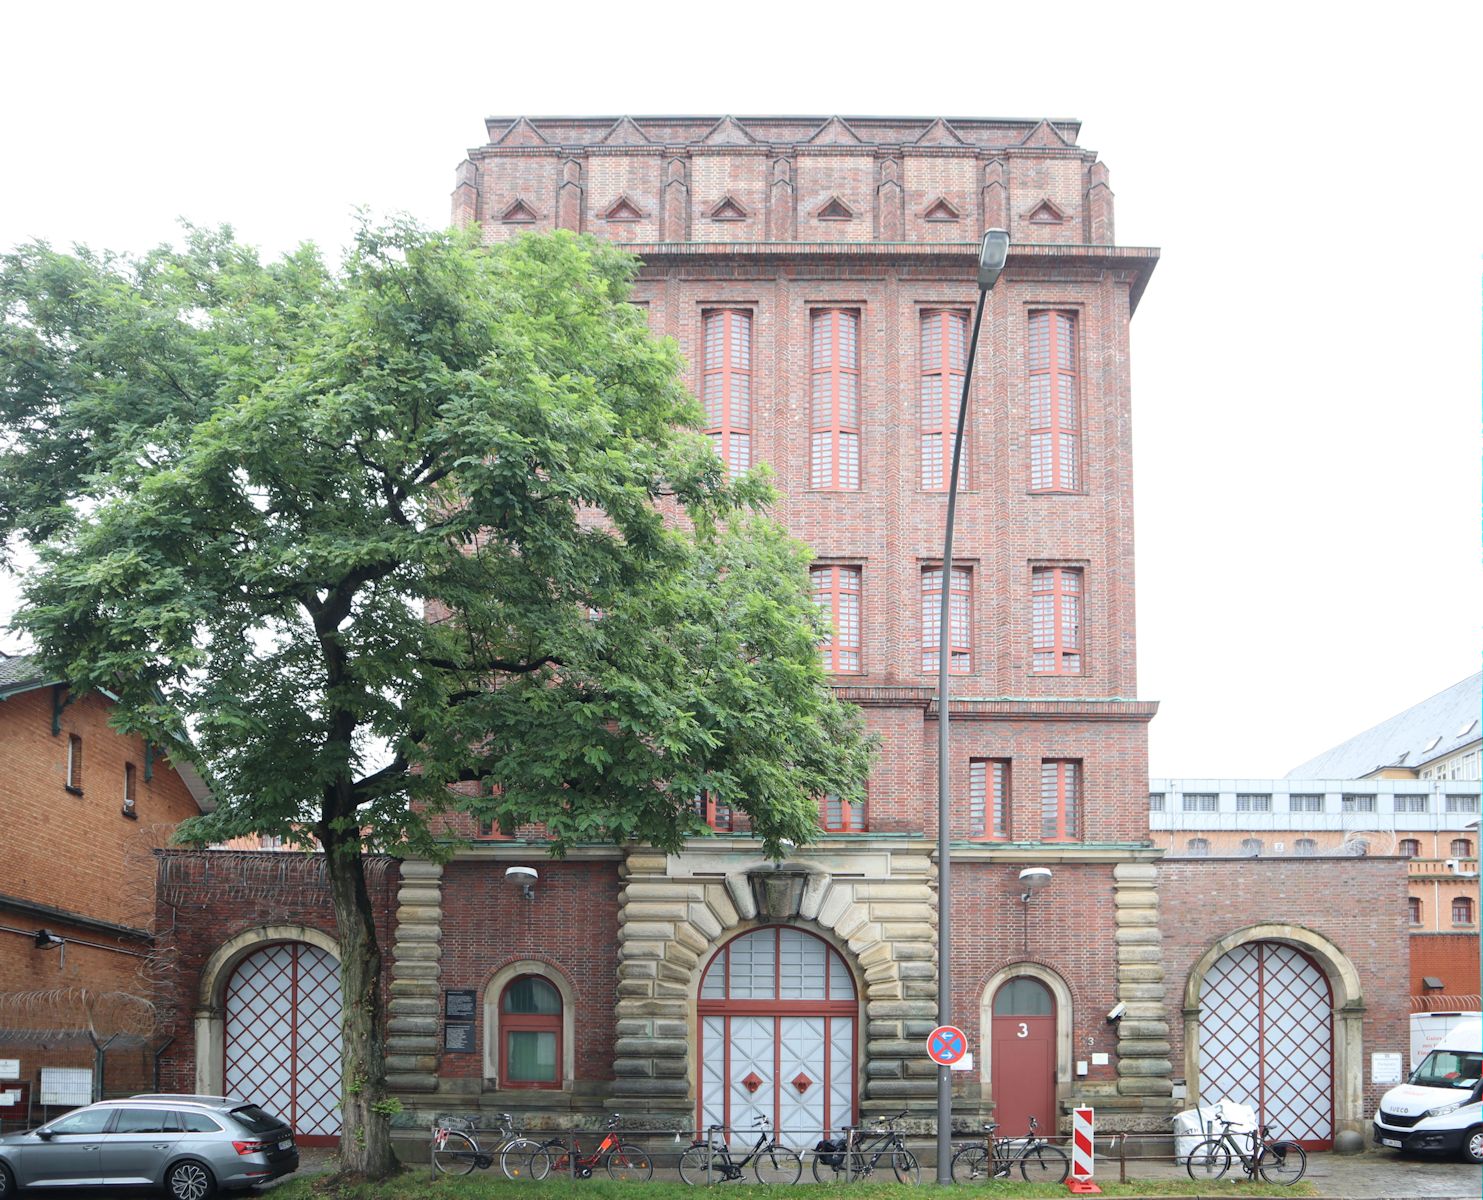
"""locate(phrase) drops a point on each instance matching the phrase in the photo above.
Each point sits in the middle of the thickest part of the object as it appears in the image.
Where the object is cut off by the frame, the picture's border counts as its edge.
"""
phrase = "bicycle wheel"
(628, 1164)
(1209, 1160)
(546, 1158)
(777, 1164)
(971, 1164)
(693, 1162)
(1282, 1162)
(1044, 1163)
(515, 1155)
(827, 1172)
(904, 1164)
(456, 1157)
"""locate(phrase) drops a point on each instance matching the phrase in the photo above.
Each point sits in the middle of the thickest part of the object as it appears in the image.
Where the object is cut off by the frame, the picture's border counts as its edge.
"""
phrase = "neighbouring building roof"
(1433, 729)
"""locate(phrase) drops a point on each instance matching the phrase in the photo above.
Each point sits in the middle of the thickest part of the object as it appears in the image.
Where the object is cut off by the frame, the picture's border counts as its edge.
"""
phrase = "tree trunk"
(365, 1139)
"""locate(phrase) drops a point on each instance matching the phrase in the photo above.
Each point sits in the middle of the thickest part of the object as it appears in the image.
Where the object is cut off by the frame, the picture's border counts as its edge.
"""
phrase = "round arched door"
(778, 1017)
(1266, 1039)
(1023, 1056)
(282, 1035)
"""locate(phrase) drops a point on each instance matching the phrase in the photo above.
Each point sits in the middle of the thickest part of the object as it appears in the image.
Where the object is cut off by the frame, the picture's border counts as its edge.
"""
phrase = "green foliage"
(250, 485)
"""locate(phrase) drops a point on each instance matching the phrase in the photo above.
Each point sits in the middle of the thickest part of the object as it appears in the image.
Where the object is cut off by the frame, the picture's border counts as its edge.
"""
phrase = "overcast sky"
(1305, 361)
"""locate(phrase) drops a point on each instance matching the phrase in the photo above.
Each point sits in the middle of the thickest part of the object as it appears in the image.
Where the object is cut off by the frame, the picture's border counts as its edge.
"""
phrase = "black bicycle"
(995, 1158)
(1274, 1161)
(856, 1155)
(710, 1160)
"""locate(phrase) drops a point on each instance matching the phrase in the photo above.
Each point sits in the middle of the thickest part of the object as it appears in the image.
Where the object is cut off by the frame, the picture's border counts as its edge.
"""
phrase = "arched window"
(1198, 847)
(1305, 847)
(1410, 848)
(1251, 847)
(1462, 910)
(1023, 997)
(1462, 848)
(530, 1034)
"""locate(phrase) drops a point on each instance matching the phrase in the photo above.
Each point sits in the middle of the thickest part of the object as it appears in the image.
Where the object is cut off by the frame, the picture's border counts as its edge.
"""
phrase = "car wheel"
(7, 1183)
(1472, 1145)
(189, 1180)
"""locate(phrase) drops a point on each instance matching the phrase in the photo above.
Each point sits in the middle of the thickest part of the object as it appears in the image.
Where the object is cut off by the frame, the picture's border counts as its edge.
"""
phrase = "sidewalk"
(1373, 1175)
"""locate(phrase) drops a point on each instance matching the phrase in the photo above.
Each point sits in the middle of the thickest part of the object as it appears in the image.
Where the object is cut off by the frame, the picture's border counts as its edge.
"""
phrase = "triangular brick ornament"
(834, 132)
(728, 210)
(941, 210)
(1046, 213)
(521, 133)
(518, 213)
(728, 131)
(1044, 134)
(623, 209)
(836, 210)
(939, 133)
(624, 133)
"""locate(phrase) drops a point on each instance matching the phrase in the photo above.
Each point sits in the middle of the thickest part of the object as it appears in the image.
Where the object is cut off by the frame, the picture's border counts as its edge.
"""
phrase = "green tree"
(436, 516)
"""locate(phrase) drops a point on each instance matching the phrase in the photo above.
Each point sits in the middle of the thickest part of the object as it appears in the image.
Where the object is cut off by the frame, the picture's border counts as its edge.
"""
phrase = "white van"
(1439, 1106)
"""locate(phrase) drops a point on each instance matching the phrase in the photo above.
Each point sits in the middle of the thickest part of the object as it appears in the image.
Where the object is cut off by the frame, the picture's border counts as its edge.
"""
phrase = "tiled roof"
(17, 671)
(1432, 729)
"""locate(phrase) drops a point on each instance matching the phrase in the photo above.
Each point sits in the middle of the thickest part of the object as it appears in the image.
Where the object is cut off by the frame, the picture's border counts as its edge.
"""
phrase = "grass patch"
(483, 1186)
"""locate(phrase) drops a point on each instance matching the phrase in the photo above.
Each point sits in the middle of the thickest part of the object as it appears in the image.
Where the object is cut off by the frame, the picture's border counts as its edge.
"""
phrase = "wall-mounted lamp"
(1032, 879)
(47, 940)
(523, 878)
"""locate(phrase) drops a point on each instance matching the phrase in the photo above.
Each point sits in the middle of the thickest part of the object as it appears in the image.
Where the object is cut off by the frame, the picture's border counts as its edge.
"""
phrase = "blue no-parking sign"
(946, 1045)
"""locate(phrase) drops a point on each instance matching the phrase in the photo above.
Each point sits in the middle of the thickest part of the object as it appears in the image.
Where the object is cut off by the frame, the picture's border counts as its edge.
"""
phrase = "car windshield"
(256, 1119)
(1458, 1069)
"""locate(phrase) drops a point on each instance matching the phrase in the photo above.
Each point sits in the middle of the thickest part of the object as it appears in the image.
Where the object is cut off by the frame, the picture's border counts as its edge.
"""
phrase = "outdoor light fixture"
(523, 878)
(993, 253)
(1032, 879)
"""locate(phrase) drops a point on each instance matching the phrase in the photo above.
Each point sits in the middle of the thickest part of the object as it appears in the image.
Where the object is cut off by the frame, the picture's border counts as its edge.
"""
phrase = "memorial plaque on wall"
(458, 1037)
(458, 1004)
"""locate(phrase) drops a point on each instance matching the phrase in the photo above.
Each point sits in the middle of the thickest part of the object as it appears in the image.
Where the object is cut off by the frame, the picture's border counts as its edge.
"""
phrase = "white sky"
(1305, 361)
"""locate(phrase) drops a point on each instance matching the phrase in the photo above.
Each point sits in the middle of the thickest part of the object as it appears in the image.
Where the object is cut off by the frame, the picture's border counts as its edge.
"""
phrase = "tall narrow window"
(1060, 799)
(944, 355)
(129, 796)
(1462, 911)
(1055, 605)
(988, 798)
(726, 386)
(843, 816)
(487, 829)
(837, 593)
(1409, 848)
(1055, 419)
(530, 1034)
(960, 604)
(1413, 908)
(74, 763)
(714, 813)
(834, 443)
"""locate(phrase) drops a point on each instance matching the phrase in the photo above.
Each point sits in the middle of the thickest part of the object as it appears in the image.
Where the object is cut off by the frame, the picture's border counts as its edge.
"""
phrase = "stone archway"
(491, 1006)
(1348, 1014)
(209, 1017)
(1065, 1021)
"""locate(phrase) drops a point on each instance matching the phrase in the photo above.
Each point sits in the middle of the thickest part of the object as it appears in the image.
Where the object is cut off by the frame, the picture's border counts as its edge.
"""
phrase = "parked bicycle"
(456, 1149)
(994, 1158)
(1274, 1161)
(622, 1160)
(710, 1160)
(856, 1156)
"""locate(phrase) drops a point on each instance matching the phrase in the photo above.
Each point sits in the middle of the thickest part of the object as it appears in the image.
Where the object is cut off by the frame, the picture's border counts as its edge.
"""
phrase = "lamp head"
(523, 878)
(993, 253)
(1032, 879)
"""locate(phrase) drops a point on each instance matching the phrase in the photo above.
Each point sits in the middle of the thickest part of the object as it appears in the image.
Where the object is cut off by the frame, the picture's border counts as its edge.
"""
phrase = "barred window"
(1056, 620)
(1060, 799)
(944, 356)
(1462, 910)
(1305, 803)
(1251, 846)
(1359, 802)
(1253, 802)
(726, 386)
(1409, 848)
(1461, 848)
(960, 606)
(1413, 909)
(988, 798)
(715, 814)
(837, 593)
(834, 440)
(1155, 801)
(1412, 803)
(1201, 802)
(1055, 419)
(843, 816)
(1305, 847)
(1197, 847)
(1462, 804)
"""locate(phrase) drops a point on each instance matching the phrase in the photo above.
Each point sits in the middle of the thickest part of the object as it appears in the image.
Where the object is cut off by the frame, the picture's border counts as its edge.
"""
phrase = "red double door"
(1022, 1057)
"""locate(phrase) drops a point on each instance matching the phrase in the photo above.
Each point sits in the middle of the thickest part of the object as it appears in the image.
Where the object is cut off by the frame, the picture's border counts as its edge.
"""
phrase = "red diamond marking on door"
(751, 1082)
(802, 1082)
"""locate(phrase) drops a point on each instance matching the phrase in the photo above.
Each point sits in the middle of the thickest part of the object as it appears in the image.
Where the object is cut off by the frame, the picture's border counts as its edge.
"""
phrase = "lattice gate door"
(283, 1037)
(1266, 1039)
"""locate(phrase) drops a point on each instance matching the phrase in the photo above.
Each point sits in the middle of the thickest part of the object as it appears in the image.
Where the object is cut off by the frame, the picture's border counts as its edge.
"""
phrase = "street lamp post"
(991, 258)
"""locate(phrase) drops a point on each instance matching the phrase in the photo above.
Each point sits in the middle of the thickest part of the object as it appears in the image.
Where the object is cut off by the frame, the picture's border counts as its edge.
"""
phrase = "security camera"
(1117, 1012)
(1452, 865)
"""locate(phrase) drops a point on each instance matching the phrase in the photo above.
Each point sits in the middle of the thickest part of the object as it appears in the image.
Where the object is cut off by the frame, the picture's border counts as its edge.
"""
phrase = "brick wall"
(1450, 957)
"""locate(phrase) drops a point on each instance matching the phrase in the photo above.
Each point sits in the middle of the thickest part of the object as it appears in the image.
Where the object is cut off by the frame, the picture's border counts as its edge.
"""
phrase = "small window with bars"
(1461, 848)
(1055, 604)
(1412, 803)
(1305, 847)
(726, 385)
(1358, 802)
(1201, 802)
(1251, 847)
(1060, 799)
(1462, 910)
(843, 816)
(1055, 418)
(1409, 848)
(944, 355)
(1305, 802)
(714, 813)
(74, 763)
(1197, 847)
(1253, 802)
(960, 607)
(988, 798)
(1155, 801)
(1413, 909)
(1462, 804)
(837, 593)
(834, 400)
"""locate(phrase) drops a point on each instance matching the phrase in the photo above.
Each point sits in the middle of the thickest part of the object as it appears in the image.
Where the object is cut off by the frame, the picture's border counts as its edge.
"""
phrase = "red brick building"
(819, 275)
(83, 809)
